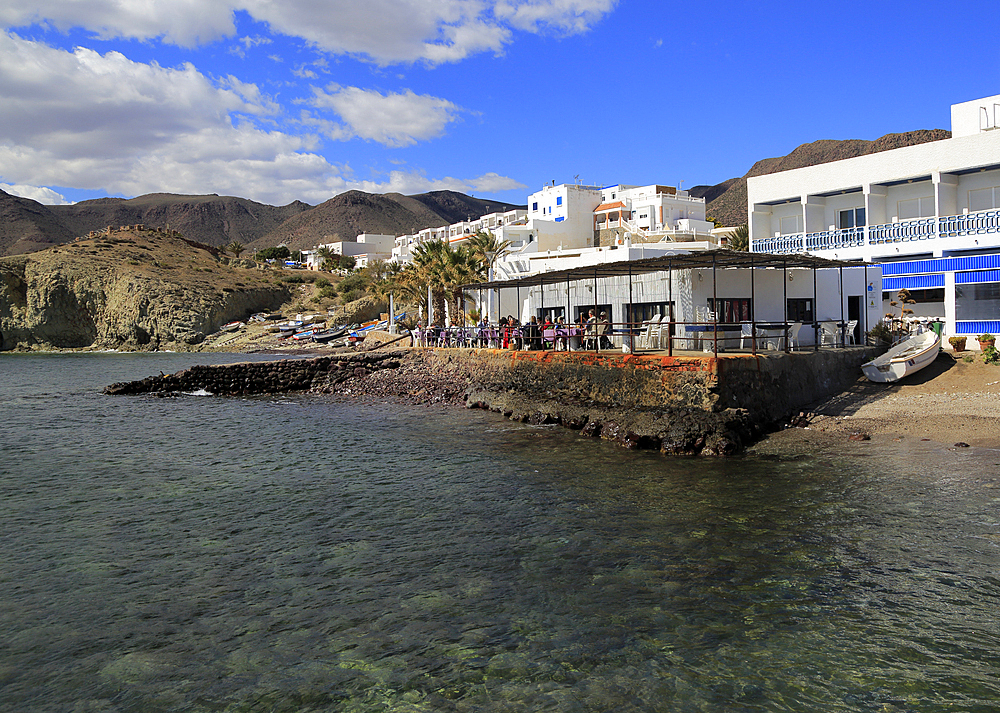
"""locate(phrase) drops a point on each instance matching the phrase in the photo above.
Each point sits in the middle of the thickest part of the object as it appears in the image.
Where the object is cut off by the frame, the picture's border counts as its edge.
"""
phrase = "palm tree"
(487, 248)
(236, 248)
(739, 239)
(326, 256)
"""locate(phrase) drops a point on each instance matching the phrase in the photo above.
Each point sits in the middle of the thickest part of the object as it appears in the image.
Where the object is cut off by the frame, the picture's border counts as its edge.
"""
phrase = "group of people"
(510, 333)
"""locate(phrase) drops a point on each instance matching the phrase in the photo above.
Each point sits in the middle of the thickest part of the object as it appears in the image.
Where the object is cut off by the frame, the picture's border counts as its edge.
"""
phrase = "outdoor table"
(701, 332)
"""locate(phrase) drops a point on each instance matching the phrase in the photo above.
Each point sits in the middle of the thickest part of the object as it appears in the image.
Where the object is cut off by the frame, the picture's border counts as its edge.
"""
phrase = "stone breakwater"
(679, 405)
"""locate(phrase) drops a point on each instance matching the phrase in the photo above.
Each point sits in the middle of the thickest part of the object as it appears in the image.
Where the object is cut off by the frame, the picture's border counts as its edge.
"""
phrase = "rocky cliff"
(128, 290)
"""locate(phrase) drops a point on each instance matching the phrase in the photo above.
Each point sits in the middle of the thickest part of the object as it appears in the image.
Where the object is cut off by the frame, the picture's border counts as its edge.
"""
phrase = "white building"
(650, 214)
(928, 213)
(366, 248)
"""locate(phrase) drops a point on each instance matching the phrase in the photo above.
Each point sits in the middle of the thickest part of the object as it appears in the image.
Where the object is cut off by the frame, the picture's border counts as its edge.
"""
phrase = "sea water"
(303, 553)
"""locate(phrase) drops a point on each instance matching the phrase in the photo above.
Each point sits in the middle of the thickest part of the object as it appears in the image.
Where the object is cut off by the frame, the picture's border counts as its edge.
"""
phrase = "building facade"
(930, 214)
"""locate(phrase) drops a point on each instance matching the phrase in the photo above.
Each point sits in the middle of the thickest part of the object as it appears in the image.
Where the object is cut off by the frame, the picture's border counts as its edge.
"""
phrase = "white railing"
(951, 226)
(903, 231)
(835, 239)
(986, 221)
(781, 244)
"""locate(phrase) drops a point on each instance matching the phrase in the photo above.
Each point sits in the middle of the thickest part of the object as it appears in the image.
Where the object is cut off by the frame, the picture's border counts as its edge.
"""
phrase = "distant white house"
(929, 214)
(368, 247)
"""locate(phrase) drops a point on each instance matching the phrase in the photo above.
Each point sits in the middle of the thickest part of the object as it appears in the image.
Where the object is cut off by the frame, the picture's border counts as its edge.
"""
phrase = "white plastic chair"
(849, 334)
(646, 339)
(746, 332)
(794, 330)
(828, 334)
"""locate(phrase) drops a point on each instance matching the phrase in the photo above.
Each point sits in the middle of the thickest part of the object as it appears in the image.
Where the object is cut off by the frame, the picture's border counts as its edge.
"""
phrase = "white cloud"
(187, 23)
(567, 16)
(387, 31)
(83, 103)
(391, 119)
(409, 182)
(43, 195)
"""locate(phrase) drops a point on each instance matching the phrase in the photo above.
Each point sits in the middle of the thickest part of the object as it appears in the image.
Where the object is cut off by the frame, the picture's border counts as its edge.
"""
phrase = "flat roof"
(702, 259)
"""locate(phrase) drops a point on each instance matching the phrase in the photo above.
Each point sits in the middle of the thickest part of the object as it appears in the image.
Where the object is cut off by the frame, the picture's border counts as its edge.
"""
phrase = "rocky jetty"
(127, 289)
(477, 379)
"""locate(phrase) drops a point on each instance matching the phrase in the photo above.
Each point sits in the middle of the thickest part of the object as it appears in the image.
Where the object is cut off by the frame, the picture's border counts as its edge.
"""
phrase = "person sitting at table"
(516, 337)
(546, 326)
(532, 335)
(482, 334)
(561, 335)
(604, 331)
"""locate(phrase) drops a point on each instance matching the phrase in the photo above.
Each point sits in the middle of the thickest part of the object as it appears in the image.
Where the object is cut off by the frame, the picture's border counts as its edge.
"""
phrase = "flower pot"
(957, 343)
(989, 343)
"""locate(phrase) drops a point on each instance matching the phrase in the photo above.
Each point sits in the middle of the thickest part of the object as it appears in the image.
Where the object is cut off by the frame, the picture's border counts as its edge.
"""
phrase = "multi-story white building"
(930, 214)
(650, 213)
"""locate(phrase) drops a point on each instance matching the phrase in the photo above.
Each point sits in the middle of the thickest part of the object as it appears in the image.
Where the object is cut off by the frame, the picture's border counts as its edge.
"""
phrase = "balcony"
(919, 229)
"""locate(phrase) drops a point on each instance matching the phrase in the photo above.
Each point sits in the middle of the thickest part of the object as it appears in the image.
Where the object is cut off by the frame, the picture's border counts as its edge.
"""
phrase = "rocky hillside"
(26, 226)
(727, 201)
(128, 290)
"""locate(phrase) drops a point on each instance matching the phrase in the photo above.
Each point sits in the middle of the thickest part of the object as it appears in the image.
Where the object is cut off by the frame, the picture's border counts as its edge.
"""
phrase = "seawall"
(680, 404)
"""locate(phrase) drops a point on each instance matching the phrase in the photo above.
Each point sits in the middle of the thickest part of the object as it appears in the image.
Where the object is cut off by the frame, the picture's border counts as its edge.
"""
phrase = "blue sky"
(282, 100)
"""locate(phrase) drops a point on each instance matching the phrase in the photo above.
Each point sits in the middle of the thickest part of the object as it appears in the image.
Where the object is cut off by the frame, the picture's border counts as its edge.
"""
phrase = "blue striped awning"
(983, 327)
(964, 278)
(942, 264)
(915, 282)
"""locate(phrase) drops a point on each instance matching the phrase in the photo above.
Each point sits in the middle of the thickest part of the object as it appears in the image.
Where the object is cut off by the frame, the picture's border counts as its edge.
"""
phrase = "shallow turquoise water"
(300, 553)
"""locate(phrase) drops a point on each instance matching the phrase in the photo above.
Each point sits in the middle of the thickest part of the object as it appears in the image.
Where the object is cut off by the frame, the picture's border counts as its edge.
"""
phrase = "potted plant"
(986, 340)
(957, 343)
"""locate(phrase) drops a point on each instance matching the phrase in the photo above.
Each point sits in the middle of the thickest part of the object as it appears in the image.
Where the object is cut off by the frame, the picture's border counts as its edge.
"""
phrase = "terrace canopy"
(702, 259)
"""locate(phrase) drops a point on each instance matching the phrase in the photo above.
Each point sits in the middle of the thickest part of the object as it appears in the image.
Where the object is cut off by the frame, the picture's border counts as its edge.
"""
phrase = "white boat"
(906, 357)
(231, 327)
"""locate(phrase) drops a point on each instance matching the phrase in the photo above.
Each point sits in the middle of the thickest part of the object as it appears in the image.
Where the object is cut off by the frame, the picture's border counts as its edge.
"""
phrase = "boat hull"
(904, 359)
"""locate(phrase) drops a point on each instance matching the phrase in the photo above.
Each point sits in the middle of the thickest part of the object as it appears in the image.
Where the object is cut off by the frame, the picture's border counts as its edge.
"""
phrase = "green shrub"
(991, 355)
(293, 279)
(322, 282)
(350, 296)
(968, 358)
(328, 292)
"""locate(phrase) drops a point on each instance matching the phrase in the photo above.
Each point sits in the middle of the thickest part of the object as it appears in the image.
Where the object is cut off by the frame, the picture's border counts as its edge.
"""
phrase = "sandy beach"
(949, 402)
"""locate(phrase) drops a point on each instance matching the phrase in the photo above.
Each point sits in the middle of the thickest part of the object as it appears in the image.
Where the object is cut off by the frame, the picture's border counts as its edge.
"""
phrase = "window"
(558, 200)
(799, 309)
(984, 198)
(552, 313)
(534, 207)
(637, 313)
(934, 294)
(851, 218)
(585, 311)
(791, 224)
(731, 309)
(977, 302)
(916, 208)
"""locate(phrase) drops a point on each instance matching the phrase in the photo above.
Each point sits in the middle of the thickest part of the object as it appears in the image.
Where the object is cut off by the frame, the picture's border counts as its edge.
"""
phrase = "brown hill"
(727, 201)
(212, 220)
(27, 225)
(132, 289)
(344, 216)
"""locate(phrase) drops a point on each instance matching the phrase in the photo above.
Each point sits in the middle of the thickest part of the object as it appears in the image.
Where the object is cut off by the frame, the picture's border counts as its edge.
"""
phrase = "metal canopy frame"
(714, 259)
(720, 259)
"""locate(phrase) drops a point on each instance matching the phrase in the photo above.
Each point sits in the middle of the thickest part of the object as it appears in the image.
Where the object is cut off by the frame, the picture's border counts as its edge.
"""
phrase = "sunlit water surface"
(296, 553)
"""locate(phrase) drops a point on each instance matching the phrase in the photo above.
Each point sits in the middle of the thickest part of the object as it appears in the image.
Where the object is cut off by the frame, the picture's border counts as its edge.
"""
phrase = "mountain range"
(27, 226)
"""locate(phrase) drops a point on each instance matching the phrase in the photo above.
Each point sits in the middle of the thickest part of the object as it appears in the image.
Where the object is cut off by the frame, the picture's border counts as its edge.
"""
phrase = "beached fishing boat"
(905, 358)
(329, 335)
(231, 327)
